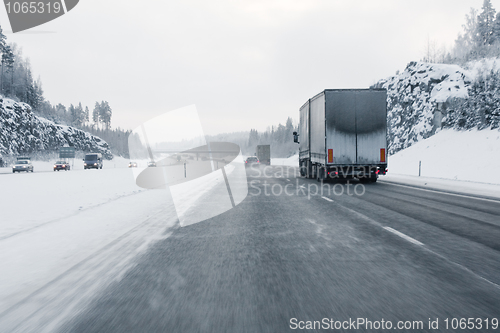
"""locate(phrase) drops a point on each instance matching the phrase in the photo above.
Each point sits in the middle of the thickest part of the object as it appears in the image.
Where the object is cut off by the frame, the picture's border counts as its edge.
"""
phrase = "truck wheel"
(319, 174)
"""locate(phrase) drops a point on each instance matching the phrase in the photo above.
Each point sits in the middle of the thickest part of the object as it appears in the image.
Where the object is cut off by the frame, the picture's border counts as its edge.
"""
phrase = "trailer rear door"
(340, 126)
(371, 124)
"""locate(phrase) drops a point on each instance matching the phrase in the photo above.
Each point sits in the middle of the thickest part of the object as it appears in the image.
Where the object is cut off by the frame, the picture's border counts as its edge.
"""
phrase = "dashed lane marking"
(400, 234)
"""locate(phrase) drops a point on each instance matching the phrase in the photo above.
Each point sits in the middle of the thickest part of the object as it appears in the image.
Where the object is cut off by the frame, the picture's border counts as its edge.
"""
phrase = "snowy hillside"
(425, 96)
(461, 155)
(21, 132)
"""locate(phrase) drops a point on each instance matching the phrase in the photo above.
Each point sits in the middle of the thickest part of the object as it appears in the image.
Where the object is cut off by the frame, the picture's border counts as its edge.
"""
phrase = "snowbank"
(459, 155)
(290, 161)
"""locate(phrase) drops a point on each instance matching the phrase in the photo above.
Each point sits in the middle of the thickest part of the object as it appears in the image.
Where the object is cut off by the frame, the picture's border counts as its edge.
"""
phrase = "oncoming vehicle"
(92, 161)
(61, 165)
(151, 164)
(22, 165)
(251, 160)
(132, 165)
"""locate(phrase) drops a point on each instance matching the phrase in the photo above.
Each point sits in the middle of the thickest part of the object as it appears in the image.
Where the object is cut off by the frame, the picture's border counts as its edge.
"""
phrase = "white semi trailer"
(343, 134)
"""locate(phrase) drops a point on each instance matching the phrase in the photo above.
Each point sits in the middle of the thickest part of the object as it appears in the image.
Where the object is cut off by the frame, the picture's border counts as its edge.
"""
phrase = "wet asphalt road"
(275, 262)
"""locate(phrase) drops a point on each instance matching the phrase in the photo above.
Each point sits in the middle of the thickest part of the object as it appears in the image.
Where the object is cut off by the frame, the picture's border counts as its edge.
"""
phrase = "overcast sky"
(245, 64)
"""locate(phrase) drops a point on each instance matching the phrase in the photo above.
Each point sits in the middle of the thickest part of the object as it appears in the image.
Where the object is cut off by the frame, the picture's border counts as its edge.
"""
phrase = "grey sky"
(245, 64)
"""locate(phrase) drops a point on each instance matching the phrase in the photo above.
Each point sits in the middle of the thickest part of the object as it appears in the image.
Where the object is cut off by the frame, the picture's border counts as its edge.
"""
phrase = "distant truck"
(343, 134)
(92, 161)
(263, 153)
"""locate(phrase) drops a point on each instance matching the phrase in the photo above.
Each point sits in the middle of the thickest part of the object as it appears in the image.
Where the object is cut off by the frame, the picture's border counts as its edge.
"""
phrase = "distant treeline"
(279, 137)
(17, 83)
(479, 39)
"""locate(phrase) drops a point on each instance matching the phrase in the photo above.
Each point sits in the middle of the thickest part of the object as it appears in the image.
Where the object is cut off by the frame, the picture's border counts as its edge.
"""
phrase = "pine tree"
(2, 40)
(96, 114)
(9, 63)
(466, 44)
(79, 117)
(86, 114)
(485, 24)
(72, 114)
(496, 28)
(105, 114)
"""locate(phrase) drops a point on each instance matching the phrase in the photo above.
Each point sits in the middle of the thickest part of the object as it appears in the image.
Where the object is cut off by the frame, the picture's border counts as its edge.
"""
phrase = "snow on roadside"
(32, 199)
(472, 156)
(51, 221)
(33, 258)
(290, 161)
(446, 185)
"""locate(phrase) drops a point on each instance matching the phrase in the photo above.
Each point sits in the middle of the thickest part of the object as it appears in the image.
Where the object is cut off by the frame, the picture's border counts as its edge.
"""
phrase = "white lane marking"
(425, 248)
(288, 180)
(327, 199)
(441, 192)
(302, 186)
(462, 267)
(400, 234)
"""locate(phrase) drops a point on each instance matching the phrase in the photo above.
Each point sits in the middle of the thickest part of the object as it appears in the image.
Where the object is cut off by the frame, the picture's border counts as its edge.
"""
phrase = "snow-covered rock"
(21, 132)
(412, 98)
(419, 98)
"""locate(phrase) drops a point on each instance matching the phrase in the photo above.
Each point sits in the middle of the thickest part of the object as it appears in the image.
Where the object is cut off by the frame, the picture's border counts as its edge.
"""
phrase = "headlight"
(85, 164)
(95, 163)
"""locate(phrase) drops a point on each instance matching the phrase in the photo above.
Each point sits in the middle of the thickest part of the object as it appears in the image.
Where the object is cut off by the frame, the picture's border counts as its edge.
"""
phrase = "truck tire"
(320, 173)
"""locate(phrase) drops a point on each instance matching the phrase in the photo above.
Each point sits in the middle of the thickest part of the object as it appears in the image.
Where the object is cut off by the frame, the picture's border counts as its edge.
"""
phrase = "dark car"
(92, 161)
(61, 165)
(251, 160)
(22, 165)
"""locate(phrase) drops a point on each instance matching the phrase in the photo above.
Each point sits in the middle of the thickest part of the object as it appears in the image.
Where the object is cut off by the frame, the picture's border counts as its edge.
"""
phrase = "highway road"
(386, 255)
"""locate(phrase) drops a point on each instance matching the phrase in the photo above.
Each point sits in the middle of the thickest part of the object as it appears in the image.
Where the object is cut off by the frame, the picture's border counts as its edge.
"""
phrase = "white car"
(22, 165)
